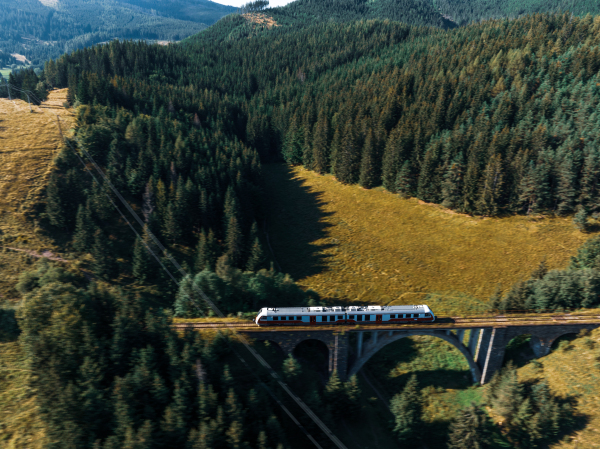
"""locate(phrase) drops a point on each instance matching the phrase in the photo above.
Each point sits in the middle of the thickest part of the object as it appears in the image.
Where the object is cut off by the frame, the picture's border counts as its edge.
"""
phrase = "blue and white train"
(363, 315)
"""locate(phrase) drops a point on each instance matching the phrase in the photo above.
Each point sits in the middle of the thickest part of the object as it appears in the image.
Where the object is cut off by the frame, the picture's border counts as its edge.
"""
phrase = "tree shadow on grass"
(295, 221)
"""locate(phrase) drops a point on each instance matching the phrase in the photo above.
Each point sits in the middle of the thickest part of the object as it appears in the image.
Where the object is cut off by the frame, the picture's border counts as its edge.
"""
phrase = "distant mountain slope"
(44, 31)
(467, 11)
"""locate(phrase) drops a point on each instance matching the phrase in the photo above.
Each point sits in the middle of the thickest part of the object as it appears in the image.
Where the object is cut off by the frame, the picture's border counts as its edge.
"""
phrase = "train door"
(313, 320)
(378, 319)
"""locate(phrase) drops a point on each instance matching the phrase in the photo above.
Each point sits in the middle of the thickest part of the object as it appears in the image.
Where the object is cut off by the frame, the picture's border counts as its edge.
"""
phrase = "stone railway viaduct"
(484, 348)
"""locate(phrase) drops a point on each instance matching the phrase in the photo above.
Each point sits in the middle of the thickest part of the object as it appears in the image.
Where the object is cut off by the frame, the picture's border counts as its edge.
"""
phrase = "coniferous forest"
(493, 118)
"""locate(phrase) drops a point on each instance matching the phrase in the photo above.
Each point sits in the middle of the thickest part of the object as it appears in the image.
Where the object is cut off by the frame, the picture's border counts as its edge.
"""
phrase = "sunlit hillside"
(370, 245)
(28, 143)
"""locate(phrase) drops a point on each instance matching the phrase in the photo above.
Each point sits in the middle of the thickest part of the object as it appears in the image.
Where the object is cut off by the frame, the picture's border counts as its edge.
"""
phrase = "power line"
(211, 304)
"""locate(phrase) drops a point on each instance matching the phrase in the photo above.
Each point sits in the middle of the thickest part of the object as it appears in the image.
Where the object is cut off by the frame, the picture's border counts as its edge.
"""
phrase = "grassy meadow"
(372, 246)
(28, 144)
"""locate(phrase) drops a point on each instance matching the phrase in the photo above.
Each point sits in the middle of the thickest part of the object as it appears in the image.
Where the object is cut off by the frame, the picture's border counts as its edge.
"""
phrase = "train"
(328, 316)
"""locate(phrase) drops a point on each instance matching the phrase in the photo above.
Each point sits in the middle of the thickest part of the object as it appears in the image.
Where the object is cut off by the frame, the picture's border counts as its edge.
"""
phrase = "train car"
(363, 315)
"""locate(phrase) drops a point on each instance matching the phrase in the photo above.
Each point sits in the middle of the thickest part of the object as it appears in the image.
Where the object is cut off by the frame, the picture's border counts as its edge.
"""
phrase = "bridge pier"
(336, 342)
(484, 350)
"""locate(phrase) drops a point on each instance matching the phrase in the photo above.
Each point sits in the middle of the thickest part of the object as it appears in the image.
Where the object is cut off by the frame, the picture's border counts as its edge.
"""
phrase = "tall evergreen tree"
(404, 181)
(368, 174)
(83, 237)
(471, 429)
(407, 408)
(320, 156)
(105, 264)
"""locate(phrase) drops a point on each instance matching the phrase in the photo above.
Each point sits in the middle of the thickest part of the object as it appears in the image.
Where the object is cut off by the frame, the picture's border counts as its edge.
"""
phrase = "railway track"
(441, 322)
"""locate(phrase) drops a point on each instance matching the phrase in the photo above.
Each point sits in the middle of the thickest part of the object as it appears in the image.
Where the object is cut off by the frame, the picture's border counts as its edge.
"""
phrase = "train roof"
(422, 308)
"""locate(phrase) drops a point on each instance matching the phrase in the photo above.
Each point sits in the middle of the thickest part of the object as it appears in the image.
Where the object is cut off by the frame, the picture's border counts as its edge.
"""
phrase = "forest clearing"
(372, 246)
(29, 142)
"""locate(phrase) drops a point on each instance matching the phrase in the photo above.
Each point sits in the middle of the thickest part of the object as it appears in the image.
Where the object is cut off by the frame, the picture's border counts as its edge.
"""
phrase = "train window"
(392, 317)
(427, 315)
(331, 317)
(359, 317)
(350, 317)
(275, 318)
(367, 317)
(340, 317)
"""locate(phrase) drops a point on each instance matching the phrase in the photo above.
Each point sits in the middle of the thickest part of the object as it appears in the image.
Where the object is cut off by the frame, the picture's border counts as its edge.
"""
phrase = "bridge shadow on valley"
(295, 222)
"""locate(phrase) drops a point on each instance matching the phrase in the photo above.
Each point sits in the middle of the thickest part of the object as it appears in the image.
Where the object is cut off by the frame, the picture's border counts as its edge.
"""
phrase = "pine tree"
(452, 186)
(257, 257)
(83, 237)
(234, 242)
(404, 181)
(471, 429)
(580, 220)
(144, 265)
(320, 156)
(55, 210)
(348, 156)
(368, 176)
(491, 188)
(566, 192)
(406, 408)
(104, 256)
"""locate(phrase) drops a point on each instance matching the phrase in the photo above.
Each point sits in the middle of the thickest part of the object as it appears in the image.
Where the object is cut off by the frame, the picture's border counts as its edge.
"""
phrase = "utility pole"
(29, 102)
(8, 89)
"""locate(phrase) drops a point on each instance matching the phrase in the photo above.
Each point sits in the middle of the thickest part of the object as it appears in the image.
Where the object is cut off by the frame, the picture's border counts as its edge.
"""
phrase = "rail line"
(441, 322)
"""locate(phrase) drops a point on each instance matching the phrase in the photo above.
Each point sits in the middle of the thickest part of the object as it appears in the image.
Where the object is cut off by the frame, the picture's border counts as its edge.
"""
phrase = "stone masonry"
(484, 350)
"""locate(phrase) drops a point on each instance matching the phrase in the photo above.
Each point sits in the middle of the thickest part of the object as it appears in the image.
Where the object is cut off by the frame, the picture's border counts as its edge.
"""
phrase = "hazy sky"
(243, 2)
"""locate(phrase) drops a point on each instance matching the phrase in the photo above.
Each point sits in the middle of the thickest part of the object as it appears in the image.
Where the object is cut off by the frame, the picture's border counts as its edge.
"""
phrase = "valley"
(323, 153)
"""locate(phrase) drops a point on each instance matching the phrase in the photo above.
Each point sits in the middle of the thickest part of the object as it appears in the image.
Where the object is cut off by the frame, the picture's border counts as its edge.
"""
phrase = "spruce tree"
(207, 251)
(348, 156)
(491, 188)
(234, 242)
(320, 156)
(105, 264)
(55, 210)
(404, 182)
(83, 237)
(407, 408)
(257, 257)
(452, 185)
(368, 176)
(143, 261)
(471, 429)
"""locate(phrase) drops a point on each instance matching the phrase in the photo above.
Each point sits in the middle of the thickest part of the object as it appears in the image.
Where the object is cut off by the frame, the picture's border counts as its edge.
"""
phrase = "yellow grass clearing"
(28, 144)
(574, 372)
(370, 245)
(258, 18)
(20, 423)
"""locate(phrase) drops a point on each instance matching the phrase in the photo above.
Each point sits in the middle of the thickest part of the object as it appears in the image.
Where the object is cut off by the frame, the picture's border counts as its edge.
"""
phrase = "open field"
(5, 72)
(28, 144)
(20, 424)
(372, 246)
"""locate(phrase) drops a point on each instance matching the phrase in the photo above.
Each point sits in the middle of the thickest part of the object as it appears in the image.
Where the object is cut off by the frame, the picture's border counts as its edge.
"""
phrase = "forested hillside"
(41, 32)
(489, 119)
(463, 12)
(494, 118)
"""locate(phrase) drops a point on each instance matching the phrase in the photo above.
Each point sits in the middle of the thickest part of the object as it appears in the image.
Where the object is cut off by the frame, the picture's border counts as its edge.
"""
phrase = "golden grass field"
(370, 245)
(28, 143)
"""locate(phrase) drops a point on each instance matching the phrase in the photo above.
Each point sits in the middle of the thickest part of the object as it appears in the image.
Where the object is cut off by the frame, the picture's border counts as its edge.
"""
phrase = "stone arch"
(373, 346)
(277, 347)
(304, 348)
